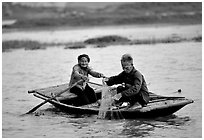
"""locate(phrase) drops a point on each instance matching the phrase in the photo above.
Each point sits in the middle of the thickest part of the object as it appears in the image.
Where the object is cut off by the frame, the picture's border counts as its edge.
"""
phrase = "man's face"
(83, 62)
(127, 67)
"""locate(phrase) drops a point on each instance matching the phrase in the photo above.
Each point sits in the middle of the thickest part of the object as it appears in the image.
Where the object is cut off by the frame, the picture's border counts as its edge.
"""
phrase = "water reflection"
(173, 120)
(136, 128)
(91, 126)
(144, 127)
(52, 111)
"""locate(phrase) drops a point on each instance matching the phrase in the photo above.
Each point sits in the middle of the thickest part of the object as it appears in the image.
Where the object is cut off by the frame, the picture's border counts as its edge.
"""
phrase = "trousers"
(132, 99)
(85, 96)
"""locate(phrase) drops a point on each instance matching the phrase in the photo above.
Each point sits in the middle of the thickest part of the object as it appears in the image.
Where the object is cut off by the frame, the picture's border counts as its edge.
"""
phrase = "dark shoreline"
(94, 42)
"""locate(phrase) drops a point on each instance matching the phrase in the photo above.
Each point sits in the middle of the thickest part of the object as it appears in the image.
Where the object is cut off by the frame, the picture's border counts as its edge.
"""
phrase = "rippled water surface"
(166, 67)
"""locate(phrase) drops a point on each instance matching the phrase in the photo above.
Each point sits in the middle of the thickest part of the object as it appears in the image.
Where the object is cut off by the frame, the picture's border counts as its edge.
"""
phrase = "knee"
(76, 90)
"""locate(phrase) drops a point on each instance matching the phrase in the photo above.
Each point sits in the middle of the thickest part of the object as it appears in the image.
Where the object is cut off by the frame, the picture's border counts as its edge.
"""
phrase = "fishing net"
(106, 100)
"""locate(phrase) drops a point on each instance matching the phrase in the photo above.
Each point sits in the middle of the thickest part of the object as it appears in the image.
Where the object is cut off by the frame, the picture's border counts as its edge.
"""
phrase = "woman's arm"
(77, 74)
(95, 74)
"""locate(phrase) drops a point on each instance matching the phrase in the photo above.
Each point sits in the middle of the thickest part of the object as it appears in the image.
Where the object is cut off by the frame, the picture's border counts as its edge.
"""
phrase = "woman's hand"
(101, 75)
(85, 78)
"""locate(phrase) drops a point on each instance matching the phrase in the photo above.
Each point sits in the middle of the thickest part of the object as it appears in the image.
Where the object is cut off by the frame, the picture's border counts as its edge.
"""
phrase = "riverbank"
(75, 38)
(95, 42)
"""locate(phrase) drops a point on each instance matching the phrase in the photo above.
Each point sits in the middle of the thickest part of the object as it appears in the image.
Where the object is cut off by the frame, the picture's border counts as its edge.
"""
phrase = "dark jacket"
(135, 82)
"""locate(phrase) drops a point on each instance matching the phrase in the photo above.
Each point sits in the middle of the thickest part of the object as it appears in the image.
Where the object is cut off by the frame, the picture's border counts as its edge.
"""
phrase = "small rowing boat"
(68, 102)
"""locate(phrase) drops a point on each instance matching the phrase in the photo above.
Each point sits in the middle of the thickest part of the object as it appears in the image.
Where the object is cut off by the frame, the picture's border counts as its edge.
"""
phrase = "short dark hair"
(83, 55)
(127, 58)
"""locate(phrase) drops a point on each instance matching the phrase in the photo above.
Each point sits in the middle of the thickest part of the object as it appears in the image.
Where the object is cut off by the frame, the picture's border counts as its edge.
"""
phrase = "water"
(166, 67)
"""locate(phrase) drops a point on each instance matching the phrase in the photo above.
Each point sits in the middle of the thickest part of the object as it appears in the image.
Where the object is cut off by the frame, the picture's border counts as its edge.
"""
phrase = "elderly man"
(134, 88)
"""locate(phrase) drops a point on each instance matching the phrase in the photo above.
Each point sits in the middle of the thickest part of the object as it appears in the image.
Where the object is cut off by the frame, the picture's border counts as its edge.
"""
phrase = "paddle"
(152, 95)
(36, 107)
(95, 83)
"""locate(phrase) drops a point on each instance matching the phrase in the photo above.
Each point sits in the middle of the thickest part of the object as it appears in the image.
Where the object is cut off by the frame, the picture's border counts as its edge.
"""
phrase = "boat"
(158, 105)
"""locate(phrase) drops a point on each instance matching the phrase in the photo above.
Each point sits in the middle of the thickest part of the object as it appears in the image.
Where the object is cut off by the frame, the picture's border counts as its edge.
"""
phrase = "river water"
(166, 67)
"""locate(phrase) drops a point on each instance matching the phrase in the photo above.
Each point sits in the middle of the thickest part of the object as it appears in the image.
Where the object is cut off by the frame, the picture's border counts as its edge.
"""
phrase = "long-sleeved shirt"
(78, 72)
(135, 81)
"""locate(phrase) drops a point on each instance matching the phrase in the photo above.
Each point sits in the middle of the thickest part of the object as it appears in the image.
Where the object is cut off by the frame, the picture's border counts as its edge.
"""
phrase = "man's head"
(127, 63)
(83, 60)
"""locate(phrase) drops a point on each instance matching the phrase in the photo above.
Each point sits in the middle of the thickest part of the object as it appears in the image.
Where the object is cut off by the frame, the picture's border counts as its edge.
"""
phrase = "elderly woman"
(134, 87)
(81, 71)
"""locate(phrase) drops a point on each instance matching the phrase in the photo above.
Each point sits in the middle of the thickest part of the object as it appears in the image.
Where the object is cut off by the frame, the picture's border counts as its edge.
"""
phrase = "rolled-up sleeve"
(76, 72)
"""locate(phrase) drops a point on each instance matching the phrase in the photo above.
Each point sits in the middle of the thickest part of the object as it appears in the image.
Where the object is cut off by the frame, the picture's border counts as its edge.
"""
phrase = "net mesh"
(106, 101)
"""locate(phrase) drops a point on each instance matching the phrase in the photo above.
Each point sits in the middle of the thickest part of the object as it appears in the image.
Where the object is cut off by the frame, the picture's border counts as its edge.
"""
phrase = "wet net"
(106, 101)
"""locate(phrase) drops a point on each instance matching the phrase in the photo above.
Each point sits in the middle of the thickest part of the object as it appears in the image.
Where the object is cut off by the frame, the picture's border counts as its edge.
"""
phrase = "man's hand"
(128, 85)
(117, 96)
(105, 80)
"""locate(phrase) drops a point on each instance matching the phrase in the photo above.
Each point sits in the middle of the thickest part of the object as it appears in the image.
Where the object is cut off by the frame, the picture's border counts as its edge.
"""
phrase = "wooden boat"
(157, 107)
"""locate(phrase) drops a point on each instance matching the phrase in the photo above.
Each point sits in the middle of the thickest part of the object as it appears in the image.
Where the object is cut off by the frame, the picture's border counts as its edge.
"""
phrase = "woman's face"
(127, 67)
(83, 62)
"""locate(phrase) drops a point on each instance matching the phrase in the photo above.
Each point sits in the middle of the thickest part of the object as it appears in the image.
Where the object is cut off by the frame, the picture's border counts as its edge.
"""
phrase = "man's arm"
(135, 88)
(118, 79)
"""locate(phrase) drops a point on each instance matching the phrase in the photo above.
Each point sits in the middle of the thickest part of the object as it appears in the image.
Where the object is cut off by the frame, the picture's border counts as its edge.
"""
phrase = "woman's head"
(83, 60)
(127, 63)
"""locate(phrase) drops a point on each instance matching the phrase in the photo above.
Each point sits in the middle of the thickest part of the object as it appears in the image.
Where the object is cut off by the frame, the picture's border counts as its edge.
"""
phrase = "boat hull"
(158, 106)
(120, 114)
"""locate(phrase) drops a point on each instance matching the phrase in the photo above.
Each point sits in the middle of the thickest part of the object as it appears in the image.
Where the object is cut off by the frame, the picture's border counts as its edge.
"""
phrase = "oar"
(95, 84)
(153, 95)
(36, 107)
